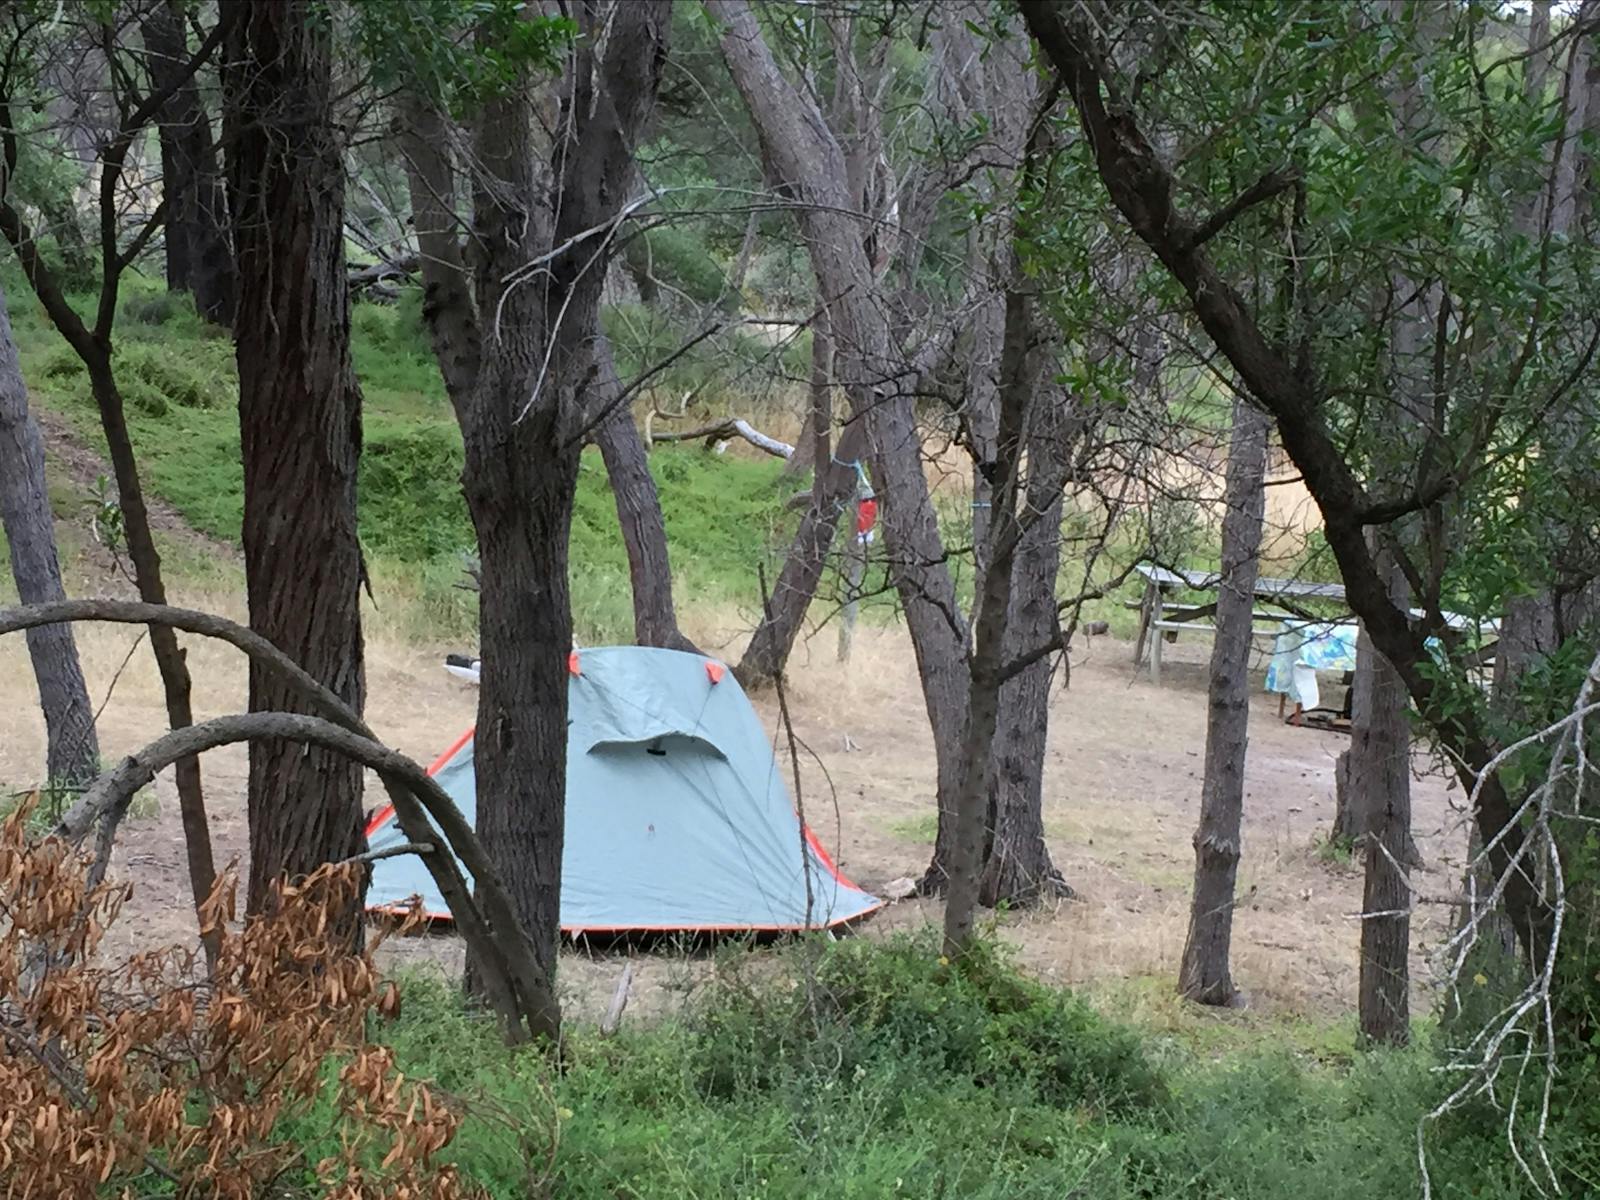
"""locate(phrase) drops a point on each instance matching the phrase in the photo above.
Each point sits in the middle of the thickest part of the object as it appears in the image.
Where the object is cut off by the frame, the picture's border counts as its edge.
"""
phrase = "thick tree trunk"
(519, 491)
(300, 430)
(977, 762)
(522, 511)
(73, 756)
(1018, 377)
(522, 429)
(644, 531)
(1204, 974)
(1380, 781)
(452, 324)
(524, 606)
(199, 258)
(1017, 867)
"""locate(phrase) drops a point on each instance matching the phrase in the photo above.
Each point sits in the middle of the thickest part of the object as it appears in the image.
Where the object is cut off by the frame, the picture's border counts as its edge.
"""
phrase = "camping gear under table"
(1159, 618)
(1300, 649)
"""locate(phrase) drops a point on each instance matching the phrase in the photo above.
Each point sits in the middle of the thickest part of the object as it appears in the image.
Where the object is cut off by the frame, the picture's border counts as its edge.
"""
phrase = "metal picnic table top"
(1163, 580)
(1155, 617)
(1266, 588)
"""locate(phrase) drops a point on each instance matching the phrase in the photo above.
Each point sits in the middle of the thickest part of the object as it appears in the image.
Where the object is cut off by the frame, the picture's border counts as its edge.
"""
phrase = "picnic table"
(1294, 634)
(1157, 619)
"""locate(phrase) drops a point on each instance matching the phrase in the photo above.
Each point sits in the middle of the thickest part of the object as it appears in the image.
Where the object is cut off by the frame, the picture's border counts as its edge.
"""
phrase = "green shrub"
(412, 508)
(154, 308)
(62, 362)
(875, 1005)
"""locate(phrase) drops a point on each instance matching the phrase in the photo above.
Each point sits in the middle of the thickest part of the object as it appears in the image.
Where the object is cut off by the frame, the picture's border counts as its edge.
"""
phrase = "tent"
(677, 817)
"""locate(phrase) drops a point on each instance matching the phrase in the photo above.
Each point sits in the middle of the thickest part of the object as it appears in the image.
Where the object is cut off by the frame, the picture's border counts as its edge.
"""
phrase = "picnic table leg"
(1144, 624)
(1156, 638)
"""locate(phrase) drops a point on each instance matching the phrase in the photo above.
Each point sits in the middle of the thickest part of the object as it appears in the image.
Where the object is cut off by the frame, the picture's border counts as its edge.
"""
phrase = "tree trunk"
(199, 258)
(1017, 866)
(452, 324)
(833, 481)
(986, 675)
(521, 504)
(300, 431)
(1380, 780)
(742, 261)
(522, 428)
(1204, 974)
(773, 639)
(1141, 186)
(1348, 823)
(73, 757)
(874, 375)
(644, 532)
(163, 642)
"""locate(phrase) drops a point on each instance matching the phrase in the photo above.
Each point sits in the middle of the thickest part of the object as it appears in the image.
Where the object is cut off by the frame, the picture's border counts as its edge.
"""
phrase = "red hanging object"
(866, 519)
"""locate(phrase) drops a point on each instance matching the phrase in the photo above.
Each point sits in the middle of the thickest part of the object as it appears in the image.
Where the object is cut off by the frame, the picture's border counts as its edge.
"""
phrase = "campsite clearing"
(1122, 786)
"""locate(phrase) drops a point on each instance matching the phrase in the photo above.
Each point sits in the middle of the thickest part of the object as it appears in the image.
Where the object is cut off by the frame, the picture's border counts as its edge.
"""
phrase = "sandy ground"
(1122, 788)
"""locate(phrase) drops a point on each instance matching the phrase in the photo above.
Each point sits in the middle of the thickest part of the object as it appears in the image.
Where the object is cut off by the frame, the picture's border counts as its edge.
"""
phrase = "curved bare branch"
(494, 927)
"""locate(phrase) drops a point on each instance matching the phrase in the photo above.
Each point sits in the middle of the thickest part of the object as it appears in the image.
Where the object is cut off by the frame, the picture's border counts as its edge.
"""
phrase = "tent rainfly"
(677, 817)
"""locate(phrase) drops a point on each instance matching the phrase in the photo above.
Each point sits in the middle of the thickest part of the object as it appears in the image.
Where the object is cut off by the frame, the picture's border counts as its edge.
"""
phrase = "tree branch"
(1263, 189)
(493, 928)
(726, 430)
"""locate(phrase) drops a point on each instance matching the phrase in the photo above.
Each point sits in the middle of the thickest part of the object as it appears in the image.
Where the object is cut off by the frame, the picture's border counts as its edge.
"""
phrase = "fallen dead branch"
(723, 431)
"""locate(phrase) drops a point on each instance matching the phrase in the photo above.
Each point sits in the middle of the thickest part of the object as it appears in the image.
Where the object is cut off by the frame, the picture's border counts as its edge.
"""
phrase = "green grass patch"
(724, 514)
(874, 1069)
(1334, 851)
(924, 827)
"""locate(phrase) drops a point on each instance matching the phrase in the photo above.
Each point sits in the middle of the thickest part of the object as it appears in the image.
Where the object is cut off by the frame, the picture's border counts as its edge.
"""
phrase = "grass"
(873, 1069)
(724, 513)
(923, 828)
(1334, 851)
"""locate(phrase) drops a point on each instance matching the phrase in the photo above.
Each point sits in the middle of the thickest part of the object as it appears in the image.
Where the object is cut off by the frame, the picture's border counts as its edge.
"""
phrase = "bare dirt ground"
(1122, 788)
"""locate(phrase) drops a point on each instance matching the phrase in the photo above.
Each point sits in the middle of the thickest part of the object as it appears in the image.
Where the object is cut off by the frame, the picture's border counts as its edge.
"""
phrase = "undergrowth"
(875, 1069)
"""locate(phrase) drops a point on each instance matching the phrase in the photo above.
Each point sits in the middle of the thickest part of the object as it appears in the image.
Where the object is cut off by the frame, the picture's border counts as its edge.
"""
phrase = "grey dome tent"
(677, 817)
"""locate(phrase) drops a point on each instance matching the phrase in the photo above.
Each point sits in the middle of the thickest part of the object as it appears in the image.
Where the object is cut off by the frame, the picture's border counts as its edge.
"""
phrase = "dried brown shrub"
(118, 1076)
